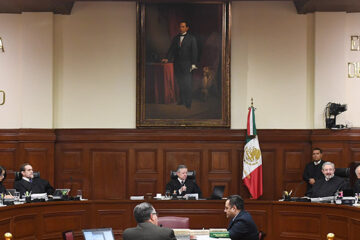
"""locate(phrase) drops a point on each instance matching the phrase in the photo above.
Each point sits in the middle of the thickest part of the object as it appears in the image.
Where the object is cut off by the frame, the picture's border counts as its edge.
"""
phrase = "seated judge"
(242, 225)
(147, 225)
(30, 184)
(182, 185)
(329, 184)
(2, 187)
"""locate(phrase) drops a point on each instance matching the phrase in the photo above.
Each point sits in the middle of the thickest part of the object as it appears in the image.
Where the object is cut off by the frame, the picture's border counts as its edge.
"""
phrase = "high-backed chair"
(342, 172)
(68, 235)
(18, 175)
(191, 175)
(174, 222)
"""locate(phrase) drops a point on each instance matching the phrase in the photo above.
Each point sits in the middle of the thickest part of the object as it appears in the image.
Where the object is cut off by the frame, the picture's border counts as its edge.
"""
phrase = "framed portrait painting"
(183, 68)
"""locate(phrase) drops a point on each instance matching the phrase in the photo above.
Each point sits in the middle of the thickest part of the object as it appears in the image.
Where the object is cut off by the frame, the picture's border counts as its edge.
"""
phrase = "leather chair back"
(18, 175)
(174, 222)
(342, 172)
(191, 175)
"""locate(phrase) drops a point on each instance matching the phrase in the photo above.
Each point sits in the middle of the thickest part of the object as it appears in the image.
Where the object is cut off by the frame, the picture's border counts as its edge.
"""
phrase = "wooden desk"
(280, 220)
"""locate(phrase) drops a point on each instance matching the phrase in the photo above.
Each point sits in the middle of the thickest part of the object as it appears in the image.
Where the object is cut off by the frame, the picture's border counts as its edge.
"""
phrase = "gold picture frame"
(160, 92)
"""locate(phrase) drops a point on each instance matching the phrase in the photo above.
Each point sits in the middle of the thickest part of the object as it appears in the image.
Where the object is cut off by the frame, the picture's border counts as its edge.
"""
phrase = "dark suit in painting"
(184, 55)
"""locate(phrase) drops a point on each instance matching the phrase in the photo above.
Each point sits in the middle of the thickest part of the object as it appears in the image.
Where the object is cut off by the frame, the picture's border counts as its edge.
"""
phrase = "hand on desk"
(164, 60)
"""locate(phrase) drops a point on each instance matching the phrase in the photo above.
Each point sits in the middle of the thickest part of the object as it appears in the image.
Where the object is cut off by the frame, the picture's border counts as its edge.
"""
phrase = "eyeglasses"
(155, 213)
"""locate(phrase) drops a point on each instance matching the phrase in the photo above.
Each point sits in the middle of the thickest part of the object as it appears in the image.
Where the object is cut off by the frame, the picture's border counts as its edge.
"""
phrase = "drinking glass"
(16, 196)
(79, 194)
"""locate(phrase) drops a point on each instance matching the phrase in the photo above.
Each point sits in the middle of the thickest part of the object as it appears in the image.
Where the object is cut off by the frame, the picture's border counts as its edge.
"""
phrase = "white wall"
(352, 85)
(80, 71)
(26, 70)
(95, 66)
(269, 63)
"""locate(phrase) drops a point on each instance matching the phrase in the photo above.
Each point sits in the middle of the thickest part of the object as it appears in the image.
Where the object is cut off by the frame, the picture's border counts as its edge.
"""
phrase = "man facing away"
(184, 52)
(312, 171)
(182, 185)
(30, 184)
(241, 226)
(329, 184)
(147, 228)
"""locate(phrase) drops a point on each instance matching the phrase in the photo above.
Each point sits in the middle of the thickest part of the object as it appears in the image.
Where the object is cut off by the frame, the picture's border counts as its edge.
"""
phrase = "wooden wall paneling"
(219, 170)
(145, 169)
(354, 149)
(8, 158)
(40, 156)
(25, 227)
(337, 225)
(354, 228)
(272, 169)
(118, 216)
(5, 225)
(290, 224)
(296, 156)
(72, 168)
(108, 173)
(334, 152)
(74, 220)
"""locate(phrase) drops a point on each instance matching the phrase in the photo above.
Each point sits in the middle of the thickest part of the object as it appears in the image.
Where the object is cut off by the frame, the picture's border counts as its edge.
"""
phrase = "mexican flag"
(252, 164)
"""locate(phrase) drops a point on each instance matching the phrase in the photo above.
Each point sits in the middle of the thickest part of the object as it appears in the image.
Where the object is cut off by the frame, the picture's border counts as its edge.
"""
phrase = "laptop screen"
(98, 234)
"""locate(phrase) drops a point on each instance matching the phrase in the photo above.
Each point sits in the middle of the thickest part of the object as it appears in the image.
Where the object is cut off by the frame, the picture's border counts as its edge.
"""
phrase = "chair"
(68, 235)
(261, 235)
(342, 172)
(191, 175)
(18, 175)
(174, 222)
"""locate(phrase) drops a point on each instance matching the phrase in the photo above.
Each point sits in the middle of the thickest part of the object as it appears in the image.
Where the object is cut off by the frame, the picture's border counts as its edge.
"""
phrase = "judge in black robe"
(182, 185)
(325, 188)
(29, 184)
(312, 171)
(37, 185)
(175, 185)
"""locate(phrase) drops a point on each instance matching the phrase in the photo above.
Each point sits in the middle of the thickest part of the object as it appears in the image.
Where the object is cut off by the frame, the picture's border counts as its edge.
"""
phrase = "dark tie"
(182, 183)
(30, 180)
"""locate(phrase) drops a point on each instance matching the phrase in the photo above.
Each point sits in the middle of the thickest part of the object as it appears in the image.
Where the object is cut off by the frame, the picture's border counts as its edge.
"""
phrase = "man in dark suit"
(329, 184)
(182, 185)
(147, 228)
(357, 182)
(241, 226)
(30, 184)
(184, 52)
(312, 171)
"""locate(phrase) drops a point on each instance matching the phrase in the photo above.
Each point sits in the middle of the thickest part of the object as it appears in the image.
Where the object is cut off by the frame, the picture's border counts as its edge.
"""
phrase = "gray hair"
(180, 167)
(328, 163)
(143, 211)
(358, 166)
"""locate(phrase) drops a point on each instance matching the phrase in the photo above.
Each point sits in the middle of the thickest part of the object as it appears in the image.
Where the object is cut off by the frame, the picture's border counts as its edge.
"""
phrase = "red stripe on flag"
(254, 183)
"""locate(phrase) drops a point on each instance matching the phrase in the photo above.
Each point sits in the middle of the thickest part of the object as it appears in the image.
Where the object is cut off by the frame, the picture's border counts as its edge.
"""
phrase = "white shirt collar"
(317, 163)
(181, 180)
(26, 179)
